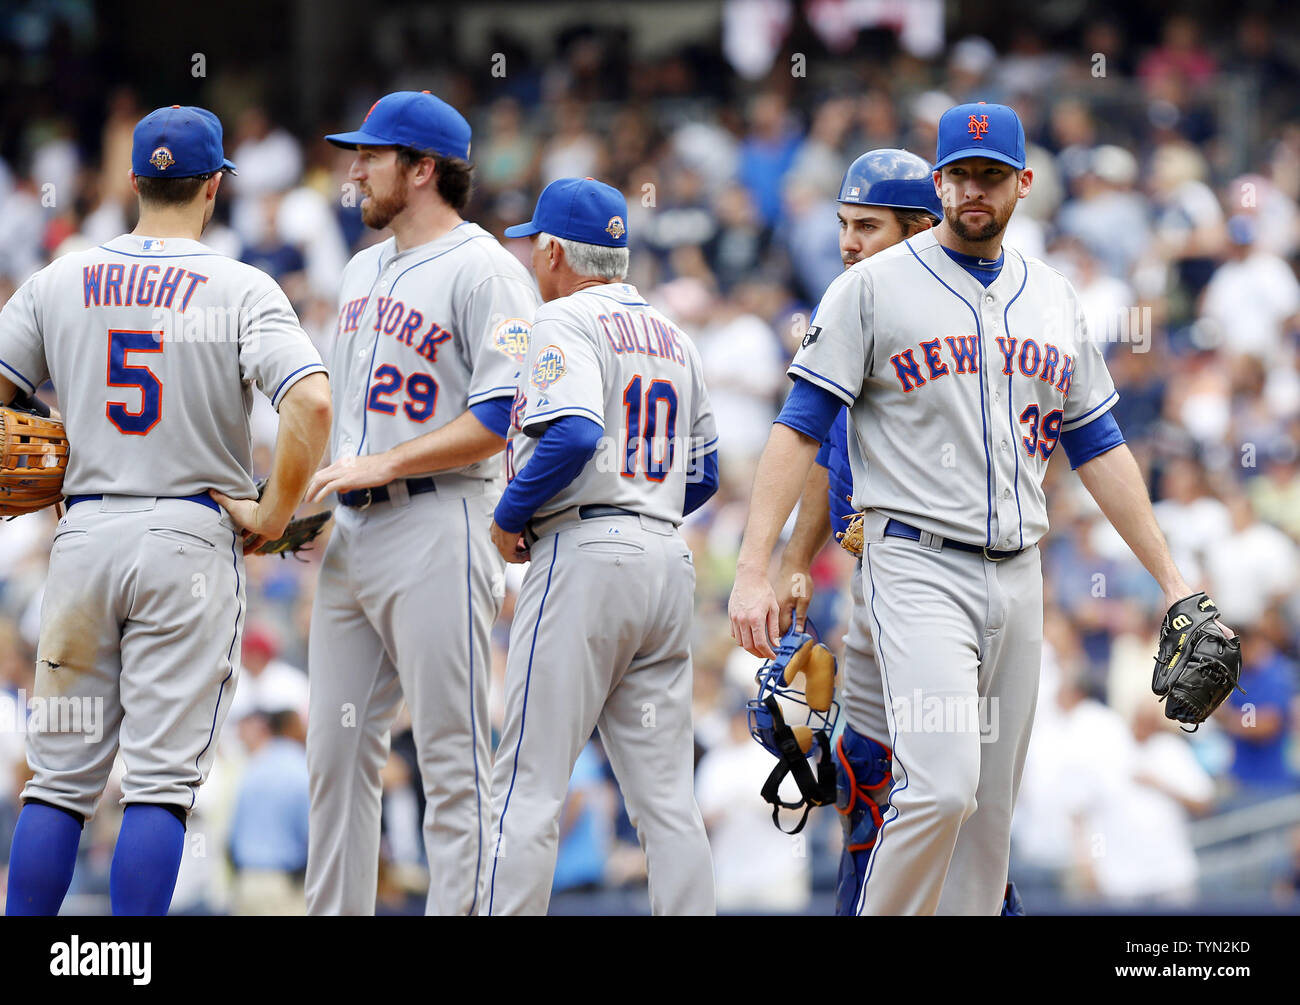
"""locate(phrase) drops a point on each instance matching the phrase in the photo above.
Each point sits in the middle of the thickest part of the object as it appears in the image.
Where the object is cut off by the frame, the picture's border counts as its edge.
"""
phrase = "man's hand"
(794, 592)
(513, 548)
(257, 523)
(755, 617)
(364, 472)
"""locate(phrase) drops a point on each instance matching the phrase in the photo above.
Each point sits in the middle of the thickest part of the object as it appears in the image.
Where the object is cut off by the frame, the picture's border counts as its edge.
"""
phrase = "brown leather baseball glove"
(33, 461)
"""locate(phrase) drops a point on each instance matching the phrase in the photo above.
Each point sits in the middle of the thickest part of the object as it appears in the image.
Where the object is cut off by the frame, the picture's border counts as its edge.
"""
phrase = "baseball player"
(433, 325)
(613, 442)
(886, 196)
(153, 342)
(963, 365)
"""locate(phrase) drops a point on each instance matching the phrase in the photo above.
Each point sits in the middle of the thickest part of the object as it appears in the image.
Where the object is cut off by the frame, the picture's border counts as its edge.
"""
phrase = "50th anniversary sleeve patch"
(511, 338)
(549, 367)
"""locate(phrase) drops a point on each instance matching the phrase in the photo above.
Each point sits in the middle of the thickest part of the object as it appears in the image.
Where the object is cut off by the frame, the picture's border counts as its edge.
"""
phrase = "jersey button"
(1006, 493)
(1004, 444)
(989, 299)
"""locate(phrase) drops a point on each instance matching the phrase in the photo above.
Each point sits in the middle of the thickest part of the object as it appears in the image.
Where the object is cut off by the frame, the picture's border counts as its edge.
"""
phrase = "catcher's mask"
(794, 745)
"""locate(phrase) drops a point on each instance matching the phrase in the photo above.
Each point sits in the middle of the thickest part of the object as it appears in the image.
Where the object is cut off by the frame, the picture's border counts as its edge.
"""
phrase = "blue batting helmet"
(894, 178)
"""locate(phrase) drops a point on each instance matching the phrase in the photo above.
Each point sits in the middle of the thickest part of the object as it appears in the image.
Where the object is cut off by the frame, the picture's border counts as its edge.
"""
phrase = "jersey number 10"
(645, 437)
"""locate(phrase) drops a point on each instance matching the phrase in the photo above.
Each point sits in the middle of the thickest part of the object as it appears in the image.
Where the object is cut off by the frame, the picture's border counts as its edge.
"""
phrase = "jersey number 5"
(135, 375)
(644, 436)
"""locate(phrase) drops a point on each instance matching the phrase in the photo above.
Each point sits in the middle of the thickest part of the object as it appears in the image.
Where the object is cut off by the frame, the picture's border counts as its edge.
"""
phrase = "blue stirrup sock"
(41, 859)
(146, 860)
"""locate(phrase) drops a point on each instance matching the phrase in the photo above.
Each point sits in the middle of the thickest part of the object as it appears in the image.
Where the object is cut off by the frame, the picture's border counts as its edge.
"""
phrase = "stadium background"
(1166, 151)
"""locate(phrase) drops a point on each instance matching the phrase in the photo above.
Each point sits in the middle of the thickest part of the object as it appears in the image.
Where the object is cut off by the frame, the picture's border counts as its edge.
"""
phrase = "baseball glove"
(297, 536)
(850, 538)
(32, 463)
(1197, 666)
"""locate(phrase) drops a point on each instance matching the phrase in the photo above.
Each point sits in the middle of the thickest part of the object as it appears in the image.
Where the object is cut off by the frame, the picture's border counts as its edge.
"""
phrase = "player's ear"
(214, 183)
(130, 173)
(425, 173)
(1025, 182)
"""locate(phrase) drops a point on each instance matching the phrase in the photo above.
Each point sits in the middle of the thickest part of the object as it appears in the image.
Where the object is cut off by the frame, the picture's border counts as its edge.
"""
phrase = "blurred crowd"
(1183, 247)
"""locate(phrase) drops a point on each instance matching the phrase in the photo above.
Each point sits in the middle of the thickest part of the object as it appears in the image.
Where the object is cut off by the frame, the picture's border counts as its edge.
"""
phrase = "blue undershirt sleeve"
(494, 414)
(562, 451)
(810, 410)
(701, 482)
(1083, 444)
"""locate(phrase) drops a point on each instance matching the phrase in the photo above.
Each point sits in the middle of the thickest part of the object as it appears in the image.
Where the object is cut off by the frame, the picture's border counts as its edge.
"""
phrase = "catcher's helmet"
(894, 178)
(819, 713)
(796, 743)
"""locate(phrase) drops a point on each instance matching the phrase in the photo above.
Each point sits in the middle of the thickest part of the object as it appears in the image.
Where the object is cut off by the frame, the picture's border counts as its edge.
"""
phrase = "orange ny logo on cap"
(978, 126)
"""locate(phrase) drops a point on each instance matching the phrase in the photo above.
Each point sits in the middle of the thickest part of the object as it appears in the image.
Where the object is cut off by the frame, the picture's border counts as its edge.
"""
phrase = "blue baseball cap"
(178, 142)
(578, 209)
(981, 130)
(414, 119)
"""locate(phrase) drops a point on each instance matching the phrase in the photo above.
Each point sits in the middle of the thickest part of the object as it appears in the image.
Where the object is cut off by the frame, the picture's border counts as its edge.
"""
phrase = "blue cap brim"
(992, 155)
(523, 230)
(229, 165)
(359, 138)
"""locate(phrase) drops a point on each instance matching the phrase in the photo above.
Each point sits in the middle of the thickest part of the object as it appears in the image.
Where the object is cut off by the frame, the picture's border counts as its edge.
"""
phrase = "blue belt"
(591, 512)
(896, 528)
(361, 498)
(202, 498)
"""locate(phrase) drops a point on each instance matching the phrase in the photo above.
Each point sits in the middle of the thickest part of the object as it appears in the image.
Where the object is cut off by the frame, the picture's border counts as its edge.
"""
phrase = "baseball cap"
(415, 119)
(178, 142)
(578, 209)
(977, 129)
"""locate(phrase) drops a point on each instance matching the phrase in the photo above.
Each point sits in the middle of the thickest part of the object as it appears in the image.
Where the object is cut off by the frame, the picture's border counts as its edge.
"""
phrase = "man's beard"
(996, 224)
(378, 213)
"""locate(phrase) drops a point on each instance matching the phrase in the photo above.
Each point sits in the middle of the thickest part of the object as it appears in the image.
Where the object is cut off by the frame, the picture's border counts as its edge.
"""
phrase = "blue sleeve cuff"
(809, 410)
(824, 454)
(702, 482)
(494, 414)
(1083, 444)
(562, 451)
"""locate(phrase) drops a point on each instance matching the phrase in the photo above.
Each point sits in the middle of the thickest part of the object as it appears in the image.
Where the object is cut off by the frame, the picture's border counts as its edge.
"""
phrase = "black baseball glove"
(1197, 666)
(297, 536)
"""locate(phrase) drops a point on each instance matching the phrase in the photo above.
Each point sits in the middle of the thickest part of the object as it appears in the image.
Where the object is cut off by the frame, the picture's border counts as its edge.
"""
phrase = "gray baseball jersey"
(958, 394)
(606, 355)
(422, 335)
(154, 346)
(409, 588)
(601, 635)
